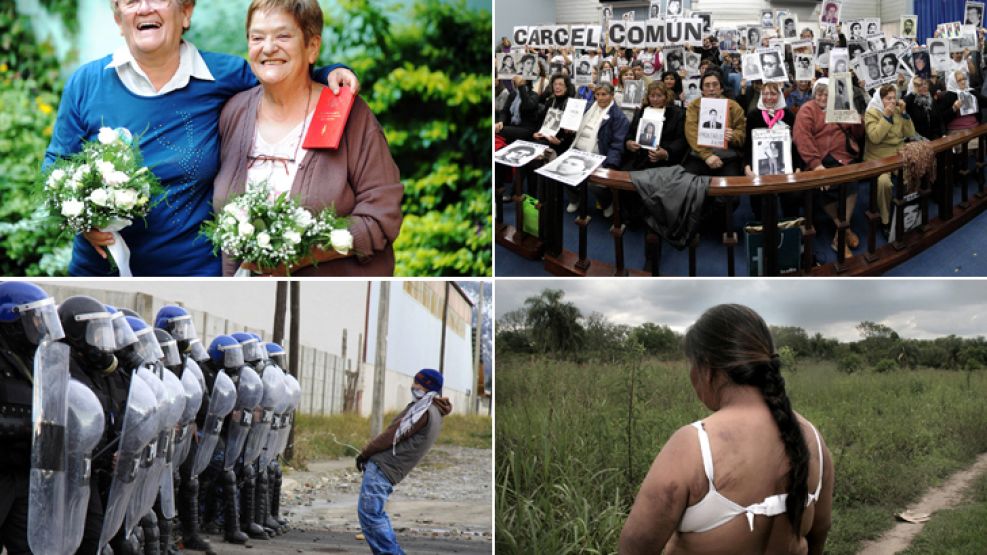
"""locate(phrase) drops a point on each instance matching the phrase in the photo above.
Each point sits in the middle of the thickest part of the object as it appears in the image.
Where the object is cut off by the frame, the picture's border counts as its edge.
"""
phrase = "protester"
(601, 131)
(704, 160)
(887, 125)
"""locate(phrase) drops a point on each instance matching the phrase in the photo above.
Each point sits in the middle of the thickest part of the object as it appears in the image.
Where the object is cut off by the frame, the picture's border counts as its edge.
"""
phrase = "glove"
(361, 463)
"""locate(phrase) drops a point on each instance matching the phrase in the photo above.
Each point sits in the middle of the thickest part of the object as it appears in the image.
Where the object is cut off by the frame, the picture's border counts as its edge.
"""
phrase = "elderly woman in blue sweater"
(163, 89)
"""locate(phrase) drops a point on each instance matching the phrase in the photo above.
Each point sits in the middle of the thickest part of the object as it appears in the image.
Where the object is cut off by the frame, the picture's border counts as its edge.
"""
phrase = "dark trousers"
(14, 487)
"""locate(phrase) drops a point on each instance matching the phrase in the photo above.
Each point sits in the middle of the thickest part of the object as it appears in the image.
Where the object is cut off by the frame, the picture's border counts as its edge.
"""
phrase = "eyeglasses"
(133, 5)
(252, 160)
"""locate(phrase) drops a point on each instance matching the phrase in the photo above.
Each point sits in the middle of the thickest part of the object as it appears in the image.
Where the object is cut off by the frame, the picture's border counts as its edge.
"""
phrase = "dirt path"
(936, 499)
(447, 497)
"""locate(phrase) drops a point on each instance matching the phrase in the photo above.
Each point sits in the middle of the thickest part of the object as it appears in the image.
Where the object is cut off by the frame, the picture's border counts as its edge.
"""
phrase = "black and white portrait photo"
(692, 61)
(654, 10)
(772, 151)
(968, 104)
(553, 122)
(674, 58)
(789, 26)
(728, 40)
(839, 60)
(822, 53)
(856, 48)
(583, 74)
(753, 37)
(529, 67)
(767, 19)
(750, 66)
(713, 114)
(519, 153)
(804, 68)
(839, 104)
(572, 167)
(772, 68)
(673, 8)
(877, 42)
(711, 119)
(889, 63)
(770, 160)
(633, 94)
(647, 135)
(974, 14)
(908, 26)
(506, 67)
(855, 30)
(690, 87)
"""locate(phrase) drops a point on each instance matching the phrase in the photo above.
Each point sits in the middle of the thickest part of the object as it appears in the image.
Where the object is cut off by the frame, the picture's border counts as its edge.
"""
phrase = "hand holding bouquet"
(273, 233)
(104, 187)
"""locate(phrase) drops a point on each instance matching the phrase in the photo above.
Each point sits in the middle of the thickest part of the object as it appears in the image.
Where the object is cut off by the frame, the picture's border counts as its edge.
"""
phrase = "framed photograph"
(968, 104)
(767, 19)
(908, 26)
(633, 94)
(772, 66)
(939, 54)
(823, 47)
(973, 13)
(750, 68)
(692, 61)
(772, 151)
(519, 153)
(829, 16)
(573, 114)
(506, 66)
(789, 26)
(552, 123)
(713, 122)
(839, 104)
(572, 167)
(690, 86)
(839, 60)
(582, 71)
(649, 128)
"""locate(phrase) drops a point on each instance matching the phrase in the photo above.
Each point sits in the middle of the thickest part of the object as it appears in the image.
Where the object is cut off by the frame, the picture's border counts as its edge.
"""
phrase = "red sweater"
(814, 138)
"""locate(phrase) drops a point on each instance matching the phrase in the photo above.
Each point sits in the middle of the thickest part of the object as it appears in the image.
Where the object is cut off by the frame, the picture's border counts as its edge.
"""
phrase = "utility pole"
(477, 386)
(280, 310)
(289, 451)
(445, 317)
(380, 360)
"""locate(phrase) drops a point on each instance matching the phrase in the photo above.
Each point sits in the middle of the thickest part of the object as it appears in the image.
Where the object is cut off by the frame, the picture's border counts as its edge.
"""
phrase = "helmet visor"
(197, 351)
(251, 350)
(281, 360)
(99, 330)
(182, 328)
(40, 319)
(232, 356)
(123, 334)
(147, 345)
(171, 356)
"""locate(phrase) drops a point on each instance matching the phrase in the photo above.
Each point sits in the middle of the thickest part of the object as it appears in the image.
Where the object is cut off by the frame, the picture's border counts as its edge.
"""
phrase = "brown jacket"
(359, 178)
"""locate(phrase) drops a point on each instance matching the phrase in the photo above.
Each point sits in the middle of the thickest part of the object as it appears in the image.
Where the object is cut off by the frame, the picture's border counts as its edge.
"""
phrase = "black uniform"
(16, 390)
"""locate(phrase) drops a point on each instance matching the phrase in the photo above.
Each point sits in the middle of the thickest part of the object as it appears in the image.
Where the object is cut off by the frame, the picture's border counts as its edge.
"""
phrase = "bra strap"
(815, 496)
(707, 453)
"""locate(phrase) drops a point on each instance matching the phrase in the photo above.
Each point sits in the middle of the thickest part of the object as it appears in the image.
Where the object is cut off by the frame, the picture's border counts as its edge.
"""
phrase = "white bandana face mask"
(417, 393)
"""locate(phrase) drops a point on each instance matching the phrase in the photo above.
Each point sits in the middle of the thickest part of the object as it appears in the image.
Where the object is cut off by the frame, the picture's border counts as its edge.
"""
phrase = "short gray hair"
(116, 9)
(605, 85)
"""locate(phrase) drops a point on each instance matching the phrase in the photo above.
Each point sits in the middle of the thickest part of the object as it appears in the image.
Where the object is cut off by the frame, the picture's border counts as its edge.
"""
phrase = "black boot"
(165, 528)
(231, 518)
(188, 514)
(149, 524)
(247, 492)
(275, 472)
(262, 509)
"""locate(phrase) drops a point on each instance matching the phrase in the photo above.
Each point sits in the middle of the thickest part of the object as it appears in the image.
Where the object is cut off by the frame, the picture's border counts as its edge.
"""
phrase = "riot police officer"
(27, 316)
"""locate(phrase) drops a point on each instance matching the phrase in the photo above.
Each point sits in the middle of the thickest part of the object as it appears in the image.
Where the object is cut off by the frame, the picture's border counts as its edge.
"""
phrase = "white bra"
(715, 510)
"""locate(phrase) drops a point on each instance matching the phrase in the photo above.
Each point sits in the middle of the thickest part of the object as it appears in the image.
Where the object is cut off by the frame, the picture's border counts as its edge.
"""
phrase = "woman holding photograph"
(167, 92)
(601, 131)
(822, 145)
(753, 477)
(561, 91)
(771, 113)
(704, 160)
(921, 107)
(672, 145)
(263, 129)
(887, 125)
(950, 105)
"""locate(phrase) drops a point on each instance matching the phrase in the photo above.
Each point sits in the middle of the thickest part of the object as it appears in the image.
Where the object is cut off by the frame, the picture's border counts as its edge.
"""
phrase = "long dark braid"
(734, 339)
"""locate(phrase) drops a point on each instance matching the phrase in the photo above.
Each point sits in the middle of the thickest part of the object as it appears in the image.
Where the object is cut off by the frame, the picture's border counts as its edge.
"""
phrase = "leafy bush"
(850, 363)
(885, 365)
(789, 361)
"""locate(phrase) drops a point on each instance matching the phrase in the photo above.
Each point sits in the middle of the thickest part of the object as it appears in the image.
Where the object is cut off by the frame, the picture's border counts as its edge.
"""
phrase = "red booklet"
(329, 120)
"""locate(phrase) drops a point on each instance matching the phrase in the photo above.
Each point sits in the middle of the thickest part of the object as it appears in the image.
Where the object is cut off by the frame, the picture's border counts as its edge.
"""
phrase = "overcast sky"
(918, 309)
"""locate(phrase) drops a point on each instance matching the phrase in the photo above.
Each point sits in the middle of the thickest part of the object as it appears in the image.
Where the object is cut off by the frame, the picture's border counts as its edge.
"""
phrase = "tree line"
(548, 324)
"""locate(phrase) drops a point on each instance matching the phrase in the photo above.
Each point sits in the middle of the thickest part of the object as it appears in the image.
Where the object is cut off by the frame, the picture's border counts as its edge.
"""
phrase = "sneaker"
(573, 206)
(608, 211)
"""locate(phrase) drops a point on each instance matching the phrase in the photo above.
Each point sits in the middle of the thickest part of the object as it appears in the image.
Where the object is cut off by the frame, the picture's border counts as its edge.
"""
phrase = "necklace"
(285, 161)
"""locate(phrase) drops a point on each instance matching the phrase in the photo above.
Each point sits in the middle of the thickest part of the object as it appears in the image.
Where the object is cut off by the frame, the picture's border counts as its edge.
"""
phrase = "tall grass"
(322, 437)
(575, 440)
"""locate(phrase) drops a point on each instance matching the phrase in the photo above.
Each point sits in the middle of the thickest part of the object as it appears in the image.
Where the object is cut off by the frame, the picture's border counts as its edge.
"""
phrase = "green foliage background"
(423, 70)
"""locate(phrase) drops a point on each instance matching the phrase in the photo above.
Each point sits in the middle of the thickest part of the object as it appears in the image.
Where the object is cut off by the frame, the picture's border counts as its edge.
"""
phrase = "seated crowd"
(912, 107)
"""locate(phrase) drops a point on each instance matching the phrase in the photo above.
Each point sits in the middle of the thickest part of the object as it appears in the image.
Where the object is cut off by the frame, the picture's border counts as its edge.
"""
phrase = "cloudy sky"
(918, 309)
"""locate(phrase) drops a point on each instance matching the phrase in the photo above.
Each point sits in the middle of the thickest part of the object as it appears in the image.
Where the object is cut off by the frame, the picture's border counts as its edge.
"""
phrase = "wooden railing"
(951, 167)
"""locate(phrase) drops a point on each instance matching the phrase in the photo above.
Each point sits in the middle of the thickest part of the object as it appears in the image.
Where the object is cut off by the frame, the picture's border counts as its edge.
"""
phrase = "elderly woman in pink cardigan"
(262, 131)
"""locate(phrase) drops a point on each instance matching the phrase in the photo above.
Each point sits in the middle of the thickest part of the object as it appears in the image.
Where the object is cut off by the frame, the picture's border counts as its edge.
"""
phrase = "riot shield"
(140, 427)
(295, 391)
(221, 402)
(186, 425)
(277, 423)
(176, 410)
(85, 428)
(149, 462)
(49, 414)
(249, 393)
(274, 391)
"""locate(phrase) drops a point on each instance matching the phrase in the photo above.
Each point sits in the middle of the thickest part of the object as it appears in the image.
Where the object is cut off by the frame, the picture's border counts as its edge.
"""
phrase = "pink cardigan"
(360, 179)
(814, 138)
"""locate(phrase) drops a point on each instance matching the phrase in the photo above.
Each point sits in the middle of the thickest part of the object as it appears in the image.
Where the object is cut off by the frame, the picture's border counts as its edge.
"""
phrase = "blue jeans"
(376, 526)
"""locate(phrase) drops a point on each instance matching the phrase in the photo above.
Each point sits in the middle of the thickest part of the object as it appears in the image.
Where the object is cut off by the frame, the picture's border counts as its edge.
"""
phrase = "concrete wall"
(517, 13)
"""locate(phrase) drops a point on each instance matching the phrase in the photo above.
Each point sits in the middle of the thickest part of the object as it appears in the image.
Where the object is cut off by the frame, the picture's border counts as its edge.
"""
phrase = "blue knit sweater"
(179, 142)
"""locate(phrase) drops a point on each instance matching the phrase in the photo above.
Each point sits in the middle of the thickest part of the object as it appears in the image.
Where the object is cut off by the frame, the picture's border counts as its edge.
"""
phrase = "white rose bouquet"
(104, 187)
(269, 231)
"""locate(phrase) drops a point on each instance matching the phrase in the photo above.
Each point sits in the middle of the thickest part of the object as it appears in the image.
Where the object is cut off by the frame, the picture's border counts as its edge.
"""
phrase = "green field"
(575, 440)
(958, 530)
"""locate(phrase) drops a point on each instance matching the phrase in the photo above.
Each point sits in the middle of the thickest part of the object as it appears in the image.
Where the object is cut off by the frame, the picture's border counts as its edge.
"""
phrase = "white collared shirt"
(190, 64)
